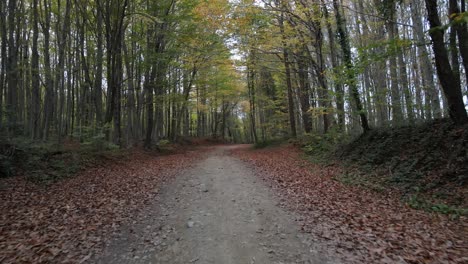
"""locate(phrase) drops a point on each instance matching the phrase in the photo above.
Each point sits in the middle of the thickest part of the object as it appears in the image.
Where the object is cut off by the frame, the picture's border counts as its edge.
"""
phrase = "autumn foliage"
(363, 225)
(68, 221)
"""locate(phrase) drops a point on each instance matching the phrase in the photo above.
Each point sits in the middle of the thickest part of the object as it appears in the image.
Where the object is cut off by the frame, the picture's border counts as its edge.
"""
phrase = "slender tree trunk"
(81, 58)
(130, 97)
(35, 78)
(446, 75)
(453, 51)
(3, 54)
(379, 68)
(397, 114)
(367, 77)
(187, 86)
(432, 102)
(417, 80)
(304, 92)
(340, 105)
(405, 86)
(461, 30)
(60, 70)
(292, 118)
(99, 64)
(322, 90)
(70, 103)
(345, 47)
(12, 66)
(118, 95)
(23, 95)
(149, 110)
(315, 28)
(159, 92)
(251, 88)
(115, 30)
(49, 94)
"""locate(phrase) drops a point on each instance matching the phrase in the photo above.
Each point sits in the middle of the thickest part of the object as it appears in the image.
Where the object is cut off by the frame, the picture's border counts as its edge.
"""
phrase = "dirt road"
(217, 212)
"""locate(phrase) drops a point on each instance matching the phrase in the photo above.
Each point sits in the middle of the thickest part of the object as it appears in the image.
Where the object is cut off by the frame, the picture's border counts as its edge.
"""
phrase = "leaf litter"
(69, 221)
(365, 225)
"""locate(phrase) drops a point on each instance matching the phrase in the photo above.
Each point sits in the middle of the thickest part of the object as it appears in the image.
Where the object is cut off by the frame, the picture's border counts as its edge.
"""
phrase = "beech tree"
(138, 72)
(448, 79)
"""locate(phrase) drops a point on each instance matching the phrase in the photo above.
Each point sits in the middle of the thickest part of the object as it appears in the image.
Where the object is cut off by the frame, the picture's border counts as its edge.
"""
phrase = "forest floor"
(218, 204)
(364, 224)
(216, 212)
(69, 220)
(425, 164)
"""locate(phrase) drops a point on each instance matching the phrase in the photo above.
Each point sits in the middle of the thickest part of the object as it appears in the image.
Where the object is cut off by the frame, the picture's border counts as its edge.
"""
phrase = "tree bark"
(99, 64)
(452, 92)
(12, 67)
(35, 78)
(292, 118)
(3, 54)
(115, 30)
(49, 94)
(432, 102)
(340, 105)
(397, 114)
(60, 69)
(304, 92)
(345, 47)
(461, 29)
(251, 88)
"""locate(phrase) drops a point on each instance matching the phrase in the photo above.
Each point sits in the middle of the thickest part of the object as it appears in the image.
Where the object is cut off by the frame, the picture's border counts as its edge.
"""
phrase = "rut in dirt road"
(217, 212)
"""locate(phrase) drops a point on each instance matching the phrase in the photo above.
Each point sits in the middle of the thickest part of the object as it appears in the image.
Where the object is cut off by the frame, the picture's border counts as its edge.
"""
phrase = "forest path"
(216, 212)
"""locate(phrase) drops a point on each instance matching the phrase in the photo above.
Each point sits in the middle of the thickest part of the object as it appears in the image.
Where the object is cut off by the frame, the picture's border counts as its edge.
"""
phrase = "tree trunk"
(397, 114)
(49, 83)
(99, 64)
(60, 69)
(3, 54)
(432, 102)
(35, 78)
(115, 30)
(130, 97)
(322, 90)
(405, 86)
(149, 108)
(461, 30)
(346, 49)
(340, 105)
(251, 88)
(304, 92)
(12, 67)
(187, 86)
(446, 75)
(292, 118)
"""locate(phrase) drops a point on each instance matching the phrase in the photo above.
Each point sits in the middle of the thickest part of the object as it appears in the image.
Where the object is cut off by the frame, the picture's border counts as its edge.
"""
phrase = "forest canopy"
(136, 72)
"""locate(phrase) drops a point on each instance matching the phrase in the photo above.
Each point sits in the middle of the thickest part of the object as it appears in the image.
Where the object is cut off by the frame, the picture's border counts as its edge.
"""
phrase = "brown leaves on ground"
(69, 221)
(365, 226)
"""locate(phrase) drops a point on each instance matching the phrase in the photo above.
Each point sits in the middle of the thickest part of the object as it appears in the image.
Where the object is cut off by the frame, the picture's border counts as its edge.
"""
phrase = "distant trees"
(134, 72)
(117, 70)
(354, 65)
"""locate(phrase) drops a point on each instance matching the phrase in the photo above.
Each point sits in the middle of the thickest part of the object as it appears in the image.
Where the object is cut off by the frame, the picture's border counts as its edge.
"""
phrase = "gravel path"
(217, 212)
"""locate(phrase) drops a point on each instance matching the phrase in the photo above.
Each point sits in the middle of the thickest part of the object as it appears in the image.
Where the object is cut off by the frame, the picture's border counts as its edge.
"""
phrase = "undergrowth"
(418, 202)
(47, 162)
(269, 143)
(320, 147)
(427, 163)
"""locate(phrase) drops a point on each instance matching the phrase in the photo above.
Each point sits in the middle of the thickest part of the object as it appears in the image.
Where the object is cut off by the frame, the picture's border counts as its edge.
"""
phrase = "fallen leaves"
(366, 226)
(70, 220)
